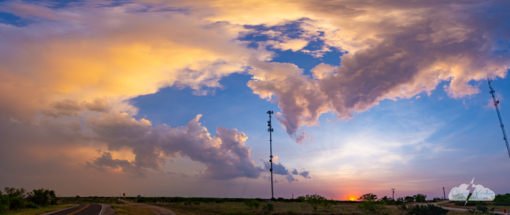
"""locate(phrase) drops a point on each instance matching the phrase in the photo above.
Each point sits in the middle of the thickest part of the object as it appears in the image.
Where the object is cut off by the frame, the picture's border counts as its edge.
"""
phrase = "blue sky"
(367, 97)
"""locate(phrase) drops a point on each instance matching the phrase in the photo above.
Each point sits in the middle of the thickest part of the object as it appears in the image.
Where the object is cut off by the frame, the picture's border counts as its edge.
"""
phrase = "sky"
(169, 98)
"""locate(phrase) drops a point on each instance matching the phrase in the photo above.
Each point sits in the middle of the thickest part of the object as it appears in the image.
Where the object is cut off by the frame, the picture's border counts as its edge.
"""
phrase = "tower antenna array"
(270, 150)
(496, 104)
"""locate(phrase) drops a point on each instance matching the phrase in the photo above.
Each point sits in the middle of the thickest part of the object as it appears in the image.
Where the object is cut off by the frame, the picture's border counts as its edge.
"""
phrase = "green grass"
(130, 210)
(38, 211)
(279, 208)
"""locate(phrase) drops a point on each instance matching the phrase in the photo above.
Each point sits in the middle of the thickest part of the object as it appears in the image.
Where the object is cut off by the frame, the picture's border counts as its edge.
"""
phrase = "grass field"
(279, 208)
(38, 211)
(121, 209)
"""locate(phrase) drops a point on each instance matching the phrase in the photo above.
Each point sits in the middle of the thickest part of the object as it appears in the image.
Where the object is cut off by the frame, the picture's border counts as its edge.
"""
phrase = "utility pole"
(270, 150)
(444, 193)
(393, 189)
(496, 104)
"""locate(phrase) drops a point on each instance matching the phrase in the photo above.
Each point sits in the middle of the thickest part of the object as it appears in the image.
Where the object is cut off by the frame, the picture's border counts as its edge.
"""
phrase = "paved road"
(82, 209)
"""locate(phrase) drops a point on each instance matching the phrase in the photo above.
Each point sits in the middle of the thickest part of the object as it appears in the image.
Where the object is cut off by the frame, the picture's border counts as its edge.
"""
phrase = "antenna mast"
(496, 104)
(270, 150)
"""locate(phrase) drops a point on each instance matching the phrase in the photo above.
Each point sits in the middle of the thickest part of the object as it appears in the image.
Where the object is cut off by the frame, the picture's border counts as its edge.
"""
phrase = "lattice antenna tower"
(270, 129)
(496, 104)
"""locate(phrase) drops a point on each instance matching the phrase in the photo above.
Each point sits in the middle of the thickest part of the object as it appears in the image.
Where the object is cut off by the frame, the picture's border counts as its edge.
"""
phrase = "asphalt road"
(83, 209)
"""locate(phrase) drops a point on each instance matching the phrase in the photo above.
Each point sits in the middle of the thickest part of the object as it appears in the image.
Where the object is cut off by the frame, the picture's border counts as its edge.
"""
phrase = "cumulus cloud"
(118, 52)
(278, 168)
(305, 174)
(224, 154)
(290, 178)
(70, 70)
(295, 172)
(387, 57)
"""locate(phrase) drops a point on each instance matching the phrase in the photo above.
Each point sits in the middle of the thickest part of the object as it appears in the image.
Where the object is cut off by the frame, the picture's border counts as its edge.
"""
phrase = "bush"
(427, 210)
(469, 203)
(503, 200)
(480, 208)
(314, 200)
(373, 207)
(399, 201)
(420, 197)
(252, 203)
(268, 207)
(4, 202)
(31, 205)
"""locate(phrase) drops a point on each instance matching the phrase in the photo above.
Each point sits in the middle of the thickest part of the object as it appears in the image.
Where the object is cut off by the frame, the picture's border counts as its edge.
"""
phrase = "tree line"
(16, 199)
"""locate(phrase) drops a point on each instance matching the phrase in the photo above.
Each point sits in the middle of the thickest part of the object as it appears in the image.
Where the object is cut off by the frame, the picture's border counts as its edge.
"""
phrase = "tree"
(368, 196)
(16, 197)
(4, 202)
(503, 200)
(42, 197)
(409, 199)
(315, 200)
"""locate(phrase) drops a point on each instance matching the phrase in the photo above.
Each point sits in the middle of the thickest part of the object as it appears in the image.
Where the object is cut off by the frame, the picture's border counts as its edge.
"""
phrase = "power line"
(496, 104)
(270, 150)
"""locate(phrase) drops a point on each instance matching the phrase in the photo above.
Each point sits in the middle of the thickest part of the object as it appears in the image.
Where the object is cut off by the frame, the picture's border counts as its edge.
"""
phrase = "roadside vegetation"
(14, 200)
(39, 201)
(308, 204)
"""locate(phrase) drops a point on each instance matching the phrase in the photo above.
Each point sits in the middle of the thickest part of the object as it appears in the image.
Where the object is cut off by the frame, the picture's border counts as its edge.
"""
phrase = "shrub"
(469, 203)
(503, 200)
(31, 205)
(428, 209)
(420, 197)
(314, 200)
(399, 201)
(252, 203)
(268, 207)
(373, 207)
(4, 202)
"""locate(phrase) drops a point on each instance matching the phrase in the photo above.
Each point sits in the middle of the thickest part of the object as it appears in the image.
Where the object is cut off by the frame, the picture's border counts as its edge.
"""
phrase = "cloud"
(79, 56)
(290, 178)
(490, 102)
(387, 56)
(278, 168)
(106, 161)
(305, 174)
(295, 172)
(224, 154)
